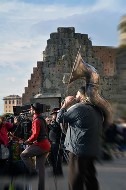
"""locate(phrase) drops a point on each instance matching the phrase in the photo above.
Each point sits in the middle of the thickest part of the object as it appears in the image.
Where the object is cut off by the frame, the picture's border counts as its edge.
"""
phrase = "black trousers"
(82, 173)
(55, 158)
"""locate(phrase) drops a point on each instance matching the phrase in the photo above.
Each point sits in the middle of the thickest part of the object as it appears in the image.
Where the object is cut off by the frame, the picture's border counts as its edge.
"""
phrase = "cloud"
(11, 79)
(25, 28)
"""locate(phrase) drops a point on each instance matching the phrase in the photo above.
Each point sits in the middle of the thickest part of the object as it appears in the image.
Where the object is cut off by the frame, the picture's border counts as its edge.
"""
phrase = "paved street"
(111, 175)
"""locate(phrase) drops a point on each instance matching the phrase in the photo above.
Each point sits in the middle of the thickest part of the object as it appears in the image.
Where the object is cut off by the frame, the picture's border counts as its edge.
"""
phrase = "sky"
(25, 27)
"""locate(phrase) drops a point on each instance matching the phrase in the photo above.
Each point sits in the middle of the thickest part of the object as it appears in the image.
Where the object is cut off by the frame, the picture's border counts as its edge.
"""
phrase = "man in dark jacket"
(82, 139)
(55, 137)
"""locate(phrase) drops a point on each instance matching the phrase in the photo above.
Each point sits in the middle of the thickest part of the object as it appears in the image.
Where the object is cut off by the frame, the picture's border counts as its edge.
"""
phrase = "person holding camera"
(27, 126)
(39, 146)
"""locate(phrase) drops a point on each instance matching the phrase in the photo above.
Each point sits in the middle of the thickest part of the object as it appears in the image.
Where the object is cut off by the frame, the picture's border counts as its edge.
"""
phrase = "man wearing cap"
(55, 137)
(82, 139)
(39, 146)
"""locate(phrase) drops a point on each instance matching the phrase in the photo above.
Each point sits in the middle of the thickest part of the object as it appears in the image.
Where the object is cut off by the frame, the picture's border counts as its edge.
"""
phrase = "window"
(9, 101)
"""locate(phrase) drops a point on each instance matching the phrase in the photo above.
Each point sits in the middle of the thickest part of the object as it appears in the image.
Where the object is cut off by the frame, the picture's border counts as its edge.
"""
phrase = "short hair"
(82, 90)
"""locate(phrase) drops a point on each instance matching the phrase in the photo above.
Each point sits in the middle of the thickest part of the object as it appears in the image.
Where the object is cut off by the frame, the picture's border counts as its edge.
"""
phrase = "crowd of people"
(38, 140)
(32, 141)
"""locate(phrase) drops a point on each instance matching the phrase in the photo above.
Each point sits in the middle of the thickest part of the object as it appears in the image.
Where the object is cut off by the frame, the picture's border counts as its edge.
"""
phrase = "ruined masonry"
(46, 83)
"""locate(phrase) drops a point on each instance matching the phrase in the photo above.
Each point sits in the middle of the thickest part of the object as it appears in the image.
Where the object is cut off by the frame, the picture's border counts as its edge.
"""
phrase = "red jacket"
(4, 132)
(36, 124)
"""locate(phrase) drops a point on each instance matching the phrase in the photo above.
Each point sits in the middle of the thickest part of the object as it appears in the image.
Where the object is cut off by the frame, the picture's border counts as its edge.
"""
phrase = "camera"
(24, 110)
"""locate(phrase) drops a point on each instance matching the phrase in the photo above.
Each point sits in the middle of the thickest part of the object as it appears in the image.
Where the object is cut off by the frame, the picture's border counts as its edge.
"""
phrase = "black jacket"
(55, 132)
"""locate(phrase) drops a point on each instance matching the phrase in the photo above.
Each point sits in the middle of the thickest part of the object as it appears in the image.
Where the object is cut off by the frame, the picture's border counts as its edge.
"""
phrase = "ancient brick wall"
(121, 73)
(58, 59)
(34, 84)
(107, 56)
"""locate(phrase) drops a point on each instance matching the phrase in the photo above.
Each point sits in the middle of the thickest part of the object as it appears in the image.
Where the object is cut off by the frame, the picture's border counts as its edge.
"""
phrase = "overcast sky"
(25, 27)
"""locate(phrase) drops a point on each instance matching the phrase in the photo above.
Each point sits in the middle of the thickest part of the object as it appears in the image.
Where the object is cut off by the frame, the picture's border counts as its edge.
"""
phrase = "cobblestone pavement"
(111, 176)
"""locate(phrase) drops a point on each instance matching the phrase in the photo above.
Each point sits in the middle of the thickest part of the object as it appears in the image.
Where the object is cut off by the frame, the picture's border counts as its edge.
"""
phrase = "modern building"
(10, 101)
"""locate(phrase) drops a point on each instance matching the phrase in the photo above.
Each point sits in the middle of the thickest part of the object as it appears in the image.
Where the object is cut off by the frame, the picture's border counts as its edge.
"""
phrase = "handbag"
(4, 152)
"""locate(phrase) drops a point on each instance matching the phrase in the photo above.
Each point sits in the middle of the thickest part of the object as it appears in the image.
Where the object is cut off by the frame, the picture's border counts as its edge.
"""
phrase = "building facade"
(10, 101)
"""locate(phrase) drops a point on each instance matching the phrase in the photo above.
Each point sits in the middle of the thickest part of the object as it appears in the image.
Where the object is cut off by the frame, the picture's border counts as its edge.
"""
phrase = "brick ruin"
(46, 83)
